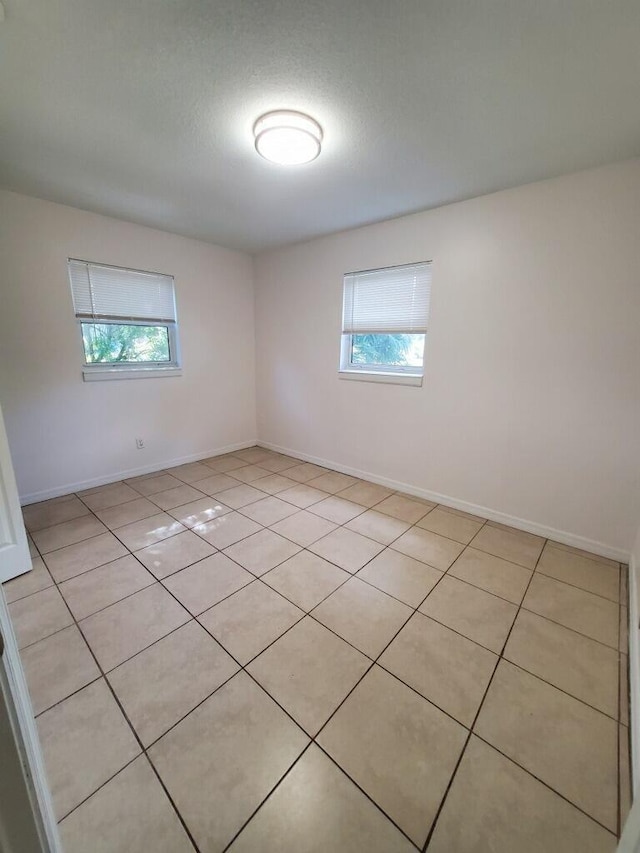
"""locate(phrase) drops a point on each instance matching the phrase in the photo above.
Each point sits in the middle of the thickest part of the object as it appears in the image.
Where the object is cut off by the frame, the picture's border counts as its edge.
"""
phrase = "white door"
(14, 550)
(27, 822)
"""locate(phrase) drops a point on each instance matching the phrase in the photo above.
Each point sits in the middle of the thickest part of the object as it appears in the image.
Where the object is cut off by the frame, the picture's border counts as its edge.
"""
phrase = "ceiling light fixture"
(287, 137)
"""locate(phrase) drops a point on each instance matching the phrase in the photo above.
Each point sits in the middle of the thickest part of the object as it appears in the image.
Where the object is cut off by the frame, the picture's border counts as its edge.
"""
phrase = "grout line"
(128, 721)
(473, 723)
(262, 802)
(546, 784)
(575, 586)
(309, 613)
(528, 609)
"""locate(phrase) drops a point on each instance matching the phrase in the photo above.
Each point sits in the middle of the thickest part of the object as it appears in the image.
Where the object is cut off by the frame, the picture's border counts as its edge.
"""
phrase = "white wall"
(64, 432)
(531, 400)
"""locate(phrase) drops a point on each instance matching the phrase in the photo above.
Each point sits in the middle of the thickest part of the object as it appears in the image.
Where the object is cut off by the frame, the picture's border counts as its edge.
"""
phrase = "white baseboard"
(575, 541)
(634, 674)
(67, 488)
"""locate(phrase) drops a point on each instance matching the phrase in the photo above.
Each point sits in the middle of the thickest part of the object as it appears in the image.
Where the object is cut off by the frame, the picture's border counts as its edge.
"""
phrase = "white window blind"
(387, 301)
(111, 293)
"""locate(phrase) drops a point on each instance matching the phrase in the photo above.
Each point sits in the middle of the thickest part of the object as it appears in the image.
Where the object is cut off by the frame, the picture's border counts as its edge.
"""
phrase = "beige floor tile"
(346, 549)
(305, 579)
(54, 511)
(227, 529)
(378, 526)
(581, 571)
(561, 547)
(177, 497)
(309, 671)
(365, 494)
(363, 616)
(624, 762)
(341, 819)
(262, 551)
(436, 551)
(461, 514)
(91, 591)
(207, 582)
(623, 689)
(273, 484)
(303, 528)
(403, 577)
(250, 473)
(562, 741)
(239, 496)
(131, 481)
(199, 512)
(493, 805)
(278, 463)
(253, 454)
(405, 509)
(72, 560)
(68, 533)
(473, 612)
(332, 482)
(222, 464)
(39, 615)
(494, 574)
(579, 666)
(449, 524)
(126, 628)
(153, 485)
(250, 619)
(623, 631)
(131, 812)
(127, 513)
(624, 585)
(514, 545)
(148, 531)
(574, 608)
(304, 472)
(56, 667)
(301, 495)
(32, 581)
(191, 472)
(232, 749)
(163, 683)
(269, 510)
(108, 496)
(169, 556)
(399, 748)
(94, 490)
(336, 509)
(449, 670)
(85, 741)
(215, 483)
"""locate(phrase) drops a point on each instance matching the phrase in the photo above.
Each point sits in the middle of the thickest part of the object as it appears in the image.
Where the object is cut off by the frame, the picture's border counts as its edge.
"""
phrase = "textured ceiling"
(142, 109)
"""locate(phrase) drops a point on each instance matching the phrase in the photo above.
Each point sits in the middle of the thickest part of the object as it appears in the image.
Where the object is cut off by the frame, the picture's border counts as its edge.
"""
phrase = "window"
(384, 324)
(127, 321)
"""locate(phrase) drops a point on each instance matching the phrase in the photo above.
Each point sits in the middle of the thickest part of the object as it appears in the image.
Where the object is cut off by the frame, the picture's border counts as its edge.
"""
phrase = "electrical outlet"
(140, 443)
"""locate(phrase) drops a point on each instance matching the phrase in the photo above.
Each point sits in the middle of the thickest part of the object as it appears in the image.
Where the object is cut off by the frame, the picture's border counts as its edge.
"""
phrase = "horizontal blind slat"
(387, 301)
(114, 293)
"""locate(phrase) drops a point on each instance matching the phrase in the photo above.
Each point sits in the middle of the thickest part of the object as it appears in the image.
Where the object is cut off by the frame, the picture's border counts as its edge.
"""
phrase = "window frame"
(98, 371)
(390, 373)
(386, 373)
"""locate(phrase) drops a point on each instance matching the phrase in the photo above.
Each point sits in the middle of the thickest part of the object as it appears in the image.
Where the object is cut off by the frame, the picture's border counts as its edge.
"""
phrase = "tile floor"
(256, 654)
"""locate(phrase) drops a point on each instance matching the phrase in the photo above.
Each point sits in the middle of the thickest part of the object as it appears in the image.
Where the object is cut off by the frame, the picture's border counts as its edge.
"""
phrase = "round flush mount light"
(287, 137)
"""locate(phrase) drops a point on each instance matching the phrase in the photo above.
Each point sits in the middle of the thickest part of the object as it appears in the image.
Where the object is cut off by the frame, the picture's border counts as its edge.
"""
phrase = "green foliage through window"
(399, 350)
(116, 343)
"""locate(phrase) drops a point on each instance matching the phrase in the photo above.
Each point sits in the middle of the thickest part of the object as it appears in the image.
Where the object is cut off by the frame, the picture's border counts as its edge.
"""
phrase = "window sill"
(387, 378)
(101, 374)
